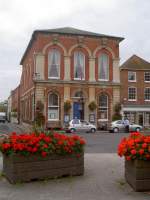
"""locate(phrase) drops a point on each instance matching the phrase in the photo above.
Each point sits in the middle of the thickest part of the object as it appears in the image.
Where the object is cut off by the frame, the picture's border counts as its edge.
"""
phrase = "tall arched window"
(79, 65)
(103, 107)
(103, 67)
(54, 64)
(53, 107)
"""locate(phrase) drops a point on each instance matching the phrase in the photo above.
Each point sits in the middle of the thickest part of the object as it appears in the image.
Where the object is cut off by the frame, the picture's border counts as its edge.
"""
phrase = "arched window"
(103, 67)
(103, 107)
(79, 65)
(53, 107)
(54, 64)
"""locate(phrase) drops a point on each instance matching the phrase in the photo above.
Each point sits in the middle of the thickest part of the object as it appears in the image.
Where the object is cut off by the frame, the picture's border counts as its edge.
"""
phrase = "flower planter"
(18, 168)
(137, 174)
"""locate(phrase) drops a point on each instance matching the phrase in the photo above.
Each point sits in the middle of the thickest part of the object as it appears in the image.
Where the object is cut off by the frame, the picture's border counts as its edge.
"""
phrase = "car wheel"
(137, 129)
(115, 130)
(93, 130)
(72, 130)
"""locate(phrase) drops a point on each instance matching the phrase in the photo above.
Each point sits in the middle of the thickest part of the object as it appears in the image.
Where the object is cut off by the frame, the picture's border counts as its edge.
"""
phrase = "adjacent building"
(135, 90)
(70, 64)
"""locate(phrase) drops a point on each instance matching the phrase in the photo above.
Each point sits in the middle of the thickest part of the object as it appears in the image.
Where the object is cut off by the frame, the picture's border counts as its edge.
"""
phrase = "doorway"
(78, 110)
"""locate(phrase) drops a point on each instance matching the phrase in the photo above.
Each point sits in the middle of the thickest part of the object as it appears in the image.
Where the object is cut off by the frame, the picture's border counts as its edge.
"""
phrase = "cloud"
(19, 18)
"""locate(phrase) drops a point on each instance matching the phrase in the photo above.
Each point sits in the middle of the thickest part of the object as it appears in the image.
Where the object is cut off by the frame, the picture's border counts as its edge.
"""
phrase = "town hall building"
(68, 64)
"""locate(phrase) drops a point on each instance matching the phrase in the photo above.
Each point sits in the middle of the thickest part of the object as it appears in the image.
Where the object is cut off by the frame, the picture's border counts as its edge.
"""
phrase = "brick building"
(70, 64)
(14, 104)
(135, 90)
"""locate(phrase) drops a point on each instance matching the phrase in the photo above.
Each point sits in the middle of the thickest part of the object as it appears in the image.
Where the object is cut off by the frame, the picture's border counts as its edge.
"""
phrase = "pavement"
(103, 180)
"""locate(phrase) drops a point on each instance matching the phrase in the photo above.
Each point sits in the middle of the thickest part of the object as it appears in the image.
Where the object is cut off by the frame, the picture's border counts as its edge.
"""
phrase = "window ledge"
(132, 99)
(79, 79)
(132, 81)
(53, 77)
(103, 80)
(147, 100)
(50, 120)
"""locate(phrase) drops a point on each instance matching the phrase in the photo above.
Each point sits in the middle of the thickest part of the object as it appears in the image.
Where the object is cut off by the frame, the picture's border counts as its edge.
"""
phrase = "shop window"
(147, 119)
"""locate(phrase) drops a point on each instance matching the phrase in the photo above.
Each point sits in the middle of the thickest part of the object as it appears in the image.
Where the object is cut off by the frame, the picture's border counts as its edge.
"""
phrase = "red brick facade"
(35, 63)
(138, 109)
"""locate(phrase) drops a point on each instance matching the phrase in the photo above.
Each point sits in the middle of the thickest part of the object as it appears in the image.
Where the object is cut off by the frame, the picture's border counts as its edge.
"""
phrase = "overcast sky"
(18, 18)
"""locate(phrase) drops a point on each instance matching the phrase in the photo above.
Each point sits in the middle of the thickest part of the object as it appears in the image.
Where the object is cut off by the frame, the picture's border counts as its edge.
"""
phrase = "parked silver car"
(77, 125)
(119, 126)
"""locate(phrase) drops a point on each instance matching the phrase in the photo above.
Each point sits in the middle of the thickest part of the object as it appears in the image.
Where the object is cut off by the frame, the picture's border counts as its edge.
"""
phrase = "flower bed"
(136, 150)
(30, 156)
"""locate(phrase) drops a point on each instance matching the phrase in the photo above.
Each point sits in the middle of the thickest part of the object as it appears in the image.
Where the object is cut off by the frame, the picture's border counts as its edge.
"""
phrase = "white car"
(77, 125)
(119, 126)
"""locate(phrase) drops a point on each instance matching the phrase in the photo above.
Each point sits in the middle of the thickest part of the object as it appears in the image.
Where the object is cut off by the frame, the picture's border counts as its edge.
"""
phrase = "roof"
(74, 31)
(68, 31)
(135, 63)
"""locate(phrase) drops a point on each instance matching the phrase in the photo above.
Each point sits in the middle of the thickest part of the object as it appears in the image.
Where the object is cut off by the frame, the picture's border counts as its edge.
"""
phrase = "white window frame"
(135, 94)
(99, 108)
(99, 67)
(134, 76)
(144, 94)
(58, 65)
(81, 78)
(144, 77)
(50, 106)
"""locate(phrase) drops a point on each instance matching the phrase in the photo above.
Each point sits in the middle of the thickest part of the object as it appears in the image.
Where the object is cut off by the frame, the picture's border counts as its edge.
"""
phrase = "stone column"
(67, 63)
(116, 70)
(91, 69)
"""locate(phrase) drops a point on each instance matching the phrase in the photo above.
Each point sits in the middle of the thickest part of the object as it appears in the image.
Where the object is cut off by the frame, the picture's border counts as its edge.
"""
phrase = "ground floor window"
(103, 108)
(53, 107)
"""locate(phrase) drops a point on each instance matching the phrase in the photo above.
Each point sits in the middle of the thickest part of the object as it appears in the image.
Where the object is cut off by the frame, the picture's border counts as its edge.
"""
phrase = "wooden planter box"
(137, 174)
(18, 168)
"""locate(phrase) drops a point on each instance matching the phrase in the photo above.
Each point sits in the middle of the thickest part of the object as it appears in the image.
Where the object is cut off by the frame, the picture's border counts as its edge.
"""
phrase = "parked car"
(77, 125)
(2, 117)
(119, 126)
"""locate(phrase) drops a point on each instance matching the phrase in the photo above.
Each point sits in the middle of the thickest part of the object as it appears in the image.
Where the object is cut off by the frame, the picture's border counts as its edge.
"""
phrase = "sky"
(19, 18)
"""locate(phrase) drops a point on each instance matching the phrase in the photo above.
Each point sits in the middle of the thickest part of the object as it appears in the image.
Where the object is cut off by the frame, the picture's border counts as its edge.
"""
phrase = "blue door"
(76, 110)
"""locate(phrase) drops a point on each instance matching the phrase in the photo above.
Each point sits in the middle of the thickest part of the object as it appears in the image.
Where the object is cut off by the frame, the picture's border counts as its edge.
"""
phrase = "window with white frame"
(147, 94)
(79, 65)
(147, 76)
(147, 119)
(103, 107)
(54, 58)
(103, 67)
(132, 94)
(53, 107)
(131, 76)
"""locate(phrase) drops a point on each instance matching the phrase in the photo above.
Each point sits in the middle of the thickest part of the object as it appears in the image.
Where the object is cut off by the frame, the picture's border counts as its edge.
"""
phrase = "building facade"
(70, 64)
(13, 108)
(135, 90)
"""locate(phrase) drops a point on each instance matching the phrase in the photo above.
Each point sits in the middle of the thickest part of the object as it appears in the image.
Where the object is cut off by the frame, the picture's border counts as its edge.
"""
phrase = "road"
(99, 142)
(6, 128)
